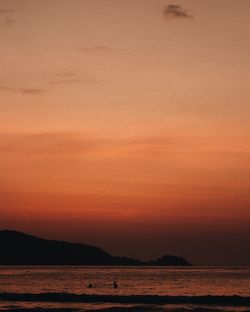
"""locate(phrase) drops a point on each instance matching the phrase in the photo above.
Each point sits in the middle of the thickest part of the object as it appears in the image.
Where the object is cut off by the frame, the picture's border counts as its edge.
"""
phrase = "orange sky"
(126, 124)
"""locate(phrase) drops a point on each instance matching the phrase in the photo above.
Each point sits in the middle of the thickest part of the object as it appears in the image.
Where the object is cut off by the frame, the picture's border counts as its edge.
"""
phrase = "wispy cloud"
(95, 49)
(5, 18)
(3, 88)
(56, 143)
(175, 11)
(78, 144)
(30, 91)
(7, 11)
(9, 21)
(22, 90)
(66, 74)
(70, 78)
(68, 81)
(50, 143)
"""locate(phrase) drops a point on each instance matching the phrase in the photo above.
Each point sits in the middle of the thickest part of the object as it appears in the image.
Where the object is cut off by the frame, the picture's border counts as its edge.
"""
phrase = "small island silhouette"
(18, 248)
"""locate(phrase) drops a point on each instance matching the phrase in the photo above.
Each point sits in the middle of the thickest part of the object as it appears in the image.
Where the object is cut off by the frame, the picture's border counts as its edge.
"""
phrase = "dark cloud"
(175, 11)
(95, 49)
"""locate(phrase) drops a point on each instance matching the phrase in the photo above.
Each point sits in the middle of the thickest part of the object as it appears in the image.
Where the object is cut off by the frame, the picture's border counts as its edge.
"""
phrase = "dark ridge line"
(18, 248)
(145, 299)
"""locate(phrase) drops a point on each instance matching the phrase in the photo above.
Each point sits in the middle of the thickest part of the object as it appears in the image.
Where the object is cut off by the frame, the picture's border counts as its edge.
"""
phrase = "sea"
(139, 288)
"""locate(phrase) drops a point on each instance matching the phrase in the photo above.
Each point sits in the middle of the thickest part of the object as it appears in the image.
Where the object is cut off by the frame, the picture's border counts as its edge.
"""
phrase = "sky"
(126, 124)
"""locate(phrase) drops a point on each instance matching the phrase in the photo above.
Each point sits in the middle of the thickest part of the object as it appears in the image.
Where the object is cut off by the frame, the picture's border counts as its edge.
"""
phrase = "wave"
(118, 309)
(133, 299)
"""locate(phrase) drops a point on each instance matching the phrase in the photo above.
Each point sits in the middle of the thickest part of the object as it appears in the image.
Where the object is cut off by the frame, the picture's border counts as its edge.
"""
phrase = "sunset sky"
(126, 124)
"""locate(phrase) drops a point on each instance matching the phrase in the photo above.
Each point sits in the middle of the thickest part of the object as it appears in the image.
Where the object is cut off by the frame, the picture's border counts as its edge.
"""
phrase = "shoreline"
(124, 309)
(121, 299)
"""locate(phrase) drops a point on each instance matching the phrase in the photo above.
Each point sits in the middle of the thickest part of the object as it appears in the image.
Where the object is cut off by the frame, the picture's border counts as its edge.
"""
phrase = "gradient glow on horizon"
(126, 124)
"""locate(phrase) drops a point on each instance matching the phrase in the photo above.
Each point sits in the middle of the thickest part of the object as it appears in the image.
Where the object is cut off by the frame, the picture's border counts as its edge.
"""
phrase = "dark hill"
(17, 248)
(169, 260)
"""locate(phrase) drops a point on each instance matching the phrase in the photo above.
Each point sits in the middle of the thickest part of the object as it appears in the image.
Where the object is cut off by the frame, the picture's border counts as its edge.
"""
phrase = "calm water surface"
(132, 280)
(174, 281)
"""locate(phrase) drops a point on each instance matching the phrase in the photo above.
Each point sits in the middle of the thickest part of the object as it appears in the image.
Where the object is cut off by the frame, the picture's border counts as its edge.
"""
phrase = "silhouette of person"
(90, 285)
(115, 285)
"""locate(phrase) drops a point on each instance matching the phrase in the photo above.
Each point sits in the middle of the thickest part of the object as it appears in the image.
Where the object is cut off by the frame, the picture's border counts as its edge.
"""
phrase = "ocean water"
(146, 281)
